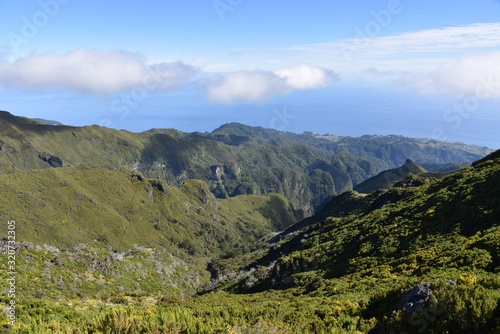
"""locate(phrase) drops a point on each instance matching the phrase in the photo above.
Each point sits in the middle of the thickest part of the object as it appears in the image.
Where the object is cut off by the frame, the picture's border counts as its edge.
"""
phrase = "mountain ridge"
(445, 232)
(386, 179)
(234, 159)
(107, 249)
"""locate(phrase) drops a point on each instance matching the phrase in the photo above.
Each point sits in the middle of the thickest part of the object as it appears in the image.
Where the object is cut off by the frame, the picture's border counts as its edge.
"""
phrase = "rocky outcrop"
(412, 180)
(416, 298)
(413, 300)
(52, 160)
(160, 185)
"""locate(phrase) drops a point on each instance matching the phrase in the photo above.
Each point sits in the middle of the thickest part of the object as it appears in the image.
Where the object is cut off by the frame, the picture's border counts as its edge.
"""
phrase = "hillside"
(386, 179)
(369, 249)
(69, 211)
(351, 268)
(233, 159)
(67, 206)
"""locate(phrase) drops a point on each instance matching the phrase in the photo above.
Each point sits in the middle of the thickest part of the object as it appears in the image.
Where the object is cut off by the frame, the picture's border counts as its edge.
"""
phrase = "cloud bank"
(473, 74)
(258, 86)
(97, 72)
(93, 71)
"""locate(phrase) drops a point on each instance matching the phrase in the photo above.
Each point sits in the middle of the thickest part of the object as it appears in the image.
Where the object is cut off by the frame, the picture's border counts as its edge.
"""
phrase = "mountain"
(409, 259)
(68, 206)
(443, 168)
(371, 248)
(95, 230)
(101, 249)
(386, 179)
(233, 159)
(47, 122)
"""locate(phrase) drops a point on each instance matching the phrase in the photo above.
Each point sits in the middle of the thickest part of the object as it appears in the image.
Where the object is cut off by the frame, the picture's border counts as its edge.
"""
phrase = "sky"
(423, 68)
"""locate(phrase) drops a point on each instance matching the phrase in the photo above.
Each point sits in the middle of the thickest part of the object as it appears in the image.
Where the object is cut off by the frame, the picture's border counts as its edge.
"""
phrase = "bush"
(463, 308)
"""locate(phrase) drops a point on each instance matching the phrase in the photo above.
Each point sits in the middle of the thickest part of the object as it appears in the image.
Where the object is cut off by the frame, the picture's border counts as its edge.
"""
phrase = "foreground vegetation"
(344, 270)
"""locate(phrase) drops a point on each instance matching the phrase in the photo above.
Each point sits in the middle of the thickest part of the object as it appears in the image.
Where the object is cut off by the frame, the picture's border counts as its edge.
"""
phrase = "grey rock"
(416, 298)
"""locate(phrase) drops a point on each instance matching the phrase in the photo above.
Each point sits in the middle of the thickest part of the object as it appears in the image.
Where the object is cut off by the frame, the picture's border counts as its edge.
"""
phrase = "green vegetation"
(86, 232)
(369, 249)
(68, 206)
(233, 160)
(342, 271)
(115, 250)
(386, 179)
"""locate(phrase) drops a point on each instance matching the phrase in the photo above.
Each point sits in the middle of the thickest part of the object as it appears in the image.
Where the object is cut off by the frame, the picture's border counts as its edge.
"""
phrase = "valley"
(246, 230)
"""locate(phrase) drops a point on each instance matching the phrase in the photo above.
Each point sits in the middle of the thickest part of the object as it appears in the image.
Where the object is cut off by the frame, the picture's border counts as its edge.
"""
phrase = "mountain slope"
(388, 224)
(95, 230)
(64, 207)
(373, 247)
(386, 179)
(234, 159)
(343, 270)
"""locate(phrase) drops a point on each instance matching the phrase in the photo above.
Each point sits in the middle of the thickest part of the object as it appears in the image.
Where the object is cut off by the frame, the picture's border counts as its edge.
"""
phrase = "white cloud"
(244, 85)
(450, 60)
(422, 50)
(476, 74)
(304, 76)
(92, 71)
(447, 39)
(262, 85)
(99, 72)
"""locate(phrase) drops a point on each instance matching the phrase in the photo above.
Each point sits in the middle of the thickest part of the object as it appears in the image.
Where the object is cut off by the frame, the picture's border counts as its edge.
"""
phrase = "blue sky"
(416, 68)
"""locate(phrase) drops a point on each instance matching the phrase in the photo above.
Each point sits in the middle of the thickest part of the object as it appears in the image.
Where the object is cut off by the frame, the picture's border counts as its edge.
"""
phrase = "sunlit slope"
(67, 206)
(233, 160)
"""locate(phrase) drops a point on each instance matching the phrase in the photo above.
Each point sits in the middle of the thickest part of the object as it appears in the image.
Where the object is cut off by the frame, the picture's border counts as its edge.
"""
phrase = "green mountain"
(386, 179)
(68, 206)
(233, 159)
(371, 248)
(347, 269)
(90, 232)
(171, 232)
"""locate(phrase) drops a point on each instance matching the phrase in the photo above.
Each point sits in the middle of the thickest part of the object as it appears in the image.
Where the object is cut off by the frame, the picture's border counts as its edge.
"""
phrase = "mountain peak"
(10, 118)
(414, 168)
(386, 179)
